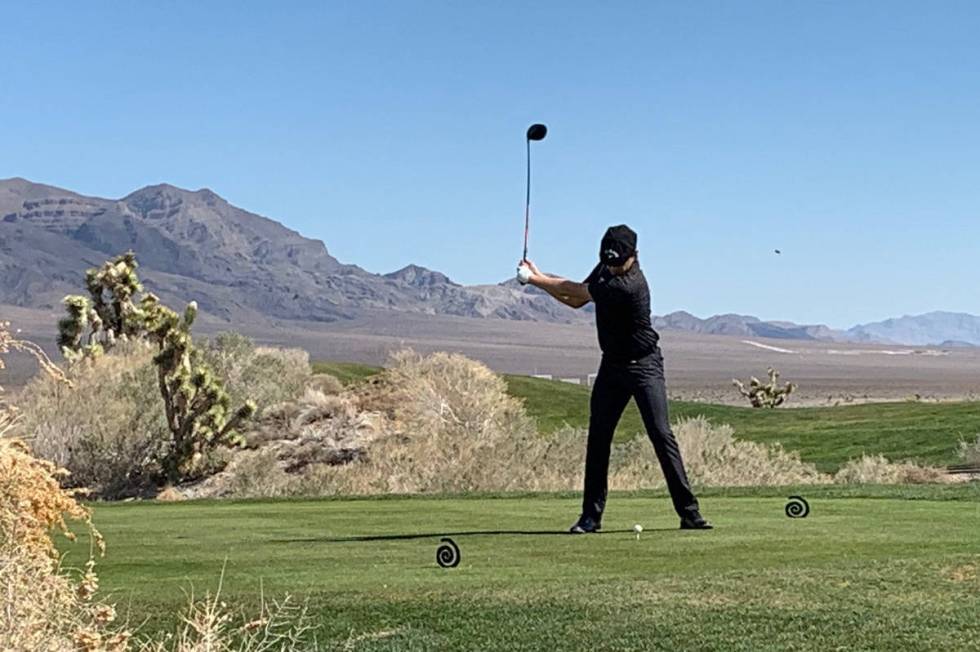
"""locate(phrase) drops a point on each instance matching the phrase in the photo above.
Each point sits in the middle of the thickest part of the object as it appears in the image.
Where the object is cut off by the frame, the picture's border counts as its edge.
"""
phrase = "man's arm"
(571, 293)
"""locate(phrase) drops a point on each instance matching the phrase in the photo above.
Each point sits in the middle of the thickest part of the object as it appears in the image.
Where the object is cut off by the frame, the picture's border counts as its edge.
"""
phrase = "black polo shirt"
(622, 313)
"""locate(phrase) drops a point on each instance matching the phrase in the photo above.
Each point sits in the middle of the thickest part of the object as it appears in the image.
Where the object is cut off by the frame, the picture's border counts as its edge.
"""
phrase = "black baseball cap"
(618, 244)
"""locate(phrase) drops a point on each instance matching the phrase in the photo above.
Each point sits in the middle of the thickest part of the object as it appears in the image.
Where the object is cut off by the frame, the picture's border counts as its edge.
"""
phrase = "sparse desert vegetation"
(970, 452)
(425, 423)
(46, 605)
(765, 395)
(446, 425)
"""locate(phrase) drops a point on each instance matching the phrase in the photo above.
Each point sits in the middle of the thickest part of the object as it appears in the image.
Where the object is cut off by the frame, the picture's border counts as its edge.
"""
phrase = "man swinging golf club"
(632, 367)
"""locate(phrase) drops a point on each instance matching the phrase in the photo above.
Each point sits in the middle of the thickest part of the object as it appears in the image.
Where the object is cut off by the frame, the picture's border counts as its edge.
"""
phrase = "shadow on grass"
(436, 535)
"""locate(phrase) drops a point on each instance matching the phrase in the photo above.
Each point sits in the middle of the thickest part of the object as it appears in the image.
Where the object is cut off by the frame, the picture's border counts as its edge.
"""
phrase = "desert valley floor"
(699, 367)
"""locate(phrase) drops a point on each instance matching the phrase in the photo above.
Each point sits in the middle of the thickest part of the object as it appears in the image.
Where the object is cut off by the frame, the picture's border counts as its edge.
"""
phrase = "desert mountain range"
(194, 245)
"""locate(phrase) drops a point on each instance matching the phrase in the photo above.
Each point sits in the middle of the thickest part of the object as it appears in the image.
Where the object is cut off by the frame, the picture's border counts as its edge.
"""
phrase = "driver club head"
(537, 132)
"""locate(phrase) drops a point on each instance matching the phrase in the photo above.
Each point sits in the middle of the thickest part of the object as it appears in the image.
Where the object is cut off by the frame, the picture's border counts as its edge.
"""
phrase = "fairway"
(828, 437)
(859, 573)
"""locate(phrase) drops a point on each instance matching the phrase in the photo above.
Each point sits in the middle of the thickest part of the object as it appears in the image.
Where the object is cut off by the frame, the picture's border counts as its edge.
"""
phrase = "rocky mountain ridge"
(194, 245)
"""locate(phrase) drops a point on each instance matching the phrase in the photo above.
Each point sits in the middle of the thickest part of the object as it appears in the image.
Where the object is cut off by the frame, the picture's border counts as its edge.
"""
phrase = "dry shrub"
(449, 425)
(42, 607)
(712, 456)
(316, 426)
(970, 451)
(442, 392)
(444, 423)
(265, 375)
(107, 427)
(288, 440)
(209, 625)
(326, 384)
(876, 469)
(32, 502)
(254, 474)
(315, 407)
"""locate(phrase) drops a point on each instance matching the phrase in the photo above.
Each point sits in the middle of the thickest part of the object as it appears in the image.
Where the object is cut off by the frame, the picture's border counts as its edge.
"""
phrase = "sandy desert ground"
(699, 367)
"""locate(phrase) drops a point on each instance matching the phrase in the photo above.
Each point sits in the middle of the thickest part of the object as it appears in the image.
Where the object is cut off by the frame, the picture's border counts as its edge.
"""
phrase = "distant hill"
(948, 329)
(194, 245)
(744, 325)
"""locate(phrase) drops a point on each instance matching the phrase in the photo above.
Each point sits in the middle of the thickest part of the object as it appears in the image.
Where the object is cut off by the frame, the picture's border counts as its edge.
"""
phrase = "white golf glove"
(523, 274)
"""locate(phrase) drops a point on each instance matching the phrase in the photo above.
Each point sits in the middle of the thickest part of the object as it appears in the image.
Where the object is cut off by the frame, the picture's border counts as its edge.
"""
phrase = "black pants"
(615, 384)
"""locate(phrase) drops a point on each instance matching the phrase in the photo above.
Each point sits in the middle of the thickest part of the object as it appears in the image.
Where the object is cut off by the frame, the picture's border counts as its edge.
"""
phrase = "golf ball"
(637, 528)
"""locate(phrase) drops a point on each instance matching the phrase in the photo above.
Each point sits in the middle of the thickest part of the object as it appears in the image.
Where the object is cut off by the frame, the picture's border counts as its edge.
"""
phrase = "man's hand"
(568, 292)
(526, 271)
(523, 274)
(534, 268)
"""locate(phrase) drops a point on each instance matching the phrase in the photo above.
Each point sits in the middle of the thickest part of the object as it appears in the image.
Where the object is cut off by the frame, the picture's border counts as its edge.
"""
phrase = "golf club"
(534, 132)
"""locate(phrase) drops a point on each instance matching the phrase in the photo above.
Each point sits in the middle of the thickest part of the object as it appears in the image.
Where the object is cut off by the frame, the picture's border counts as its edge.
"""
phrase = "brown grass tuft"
(876, 469)
(970, 451)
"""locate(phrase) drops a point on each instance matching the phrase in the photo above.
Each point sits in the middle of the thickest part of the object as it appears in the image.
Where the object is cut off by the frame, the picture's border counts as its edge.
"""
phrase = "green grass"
(861, 573)
(347, 373)
(826, 436)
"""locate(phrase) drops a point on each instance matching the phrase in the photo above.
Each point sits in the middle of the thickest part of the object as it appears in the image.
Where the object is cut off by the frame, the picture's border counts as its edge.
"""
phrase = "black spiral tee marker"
(447, 554)
(797, 507)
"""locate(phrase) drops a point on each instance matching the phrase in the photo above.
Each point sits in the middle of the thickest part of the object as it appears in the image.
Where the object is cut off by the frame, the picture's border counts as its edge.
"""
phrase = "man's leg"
(610, 394)
(650, 391)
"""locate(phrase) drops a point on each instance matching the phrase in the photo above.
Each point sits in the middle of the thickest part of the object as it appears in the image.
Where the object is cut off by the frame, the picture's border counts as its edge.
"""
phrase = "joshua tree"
(197, 407)
(768, 395)
(108, 313)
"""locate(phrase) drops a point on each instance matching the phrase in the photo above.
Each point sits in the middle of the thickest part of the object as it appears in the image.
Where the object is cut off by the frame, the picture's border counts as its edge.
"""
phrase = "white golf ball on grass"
(637, 528)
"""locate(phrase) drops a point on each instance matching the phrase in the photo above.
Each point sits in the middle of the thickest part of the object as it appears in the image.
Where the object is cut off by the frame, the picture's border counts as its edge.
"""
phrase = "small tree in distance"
(767, 395)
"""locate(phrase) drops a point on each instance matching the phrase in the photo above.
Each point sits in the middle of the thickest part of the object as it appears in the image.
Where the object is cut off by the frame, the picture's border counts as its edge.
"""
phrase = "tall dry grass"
(263, 374)
(108, 427)
(45, 607)
(969, 451)
(712, 456)
(42, 606)
(877, 469)
(445, 423)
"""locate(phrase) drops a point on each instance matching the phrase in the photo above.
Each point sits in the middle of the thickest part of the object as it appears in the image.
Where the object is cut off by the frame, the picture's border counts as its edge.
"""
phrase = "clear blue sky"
(846, 134)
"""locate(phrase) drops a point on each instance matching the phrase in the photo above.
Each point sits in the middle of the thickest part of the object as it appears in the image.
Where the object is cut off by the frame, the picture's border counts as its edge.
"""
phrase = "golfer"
(632, 367)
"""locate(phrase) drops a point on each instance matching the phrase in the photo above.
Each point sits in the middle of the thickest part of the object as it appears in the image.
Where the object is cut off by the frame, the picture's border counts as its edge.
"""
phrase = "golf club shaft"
(527, 201)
